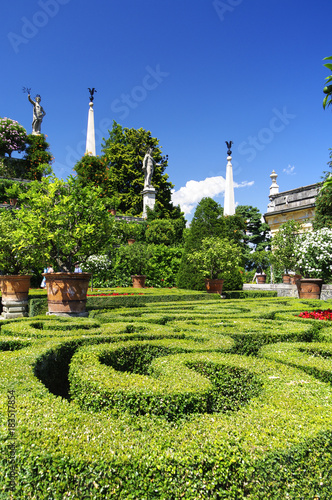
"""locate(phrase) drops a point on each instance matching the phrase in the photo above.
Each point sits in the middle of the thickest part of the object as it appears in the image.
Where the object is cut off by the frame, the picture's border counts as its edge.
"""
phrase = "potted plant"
(283, 244)
(13, 193)
(64, 222)
(114, 203)
(261, 258)
(132, 231)
(134, 259)
(216, 258)
(313, 261)
(15, 264)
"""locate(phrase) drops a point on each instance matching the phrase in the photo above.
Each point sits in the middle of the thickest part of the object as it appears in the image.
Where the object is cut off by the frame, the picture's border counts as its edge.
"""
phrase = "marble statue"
(148, 167)
(38, 114)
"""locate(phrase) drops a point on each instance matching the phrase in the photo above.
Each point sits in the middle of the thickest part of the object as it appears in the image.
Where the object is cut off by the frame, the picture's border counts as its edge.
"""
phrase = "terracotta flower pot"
(15, 291)
(213, 286)
(286, 279)
(131, 241)
(66, 293)
(294, 278)
(138, 280)
(261, 279)
(309, 288)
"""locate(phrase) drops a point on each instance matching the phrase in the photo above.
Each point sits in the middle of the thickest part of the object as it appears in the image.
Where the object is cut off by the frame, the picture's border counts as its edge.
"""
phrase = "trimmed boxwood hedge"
(145, 408)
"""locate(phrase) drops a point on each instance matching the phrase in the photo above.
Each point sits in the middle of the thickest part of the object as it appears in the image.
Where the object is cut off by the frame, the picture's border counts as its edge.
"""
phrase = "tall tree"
(323, 209)
(124, 150)
(256, 234)
(208, 221)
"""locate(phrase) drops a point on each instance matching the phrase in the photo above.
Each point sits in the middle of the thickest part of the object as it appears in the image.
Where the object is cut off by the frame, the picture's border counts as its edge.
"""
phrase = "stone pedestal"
(149, 199)
(14, 309)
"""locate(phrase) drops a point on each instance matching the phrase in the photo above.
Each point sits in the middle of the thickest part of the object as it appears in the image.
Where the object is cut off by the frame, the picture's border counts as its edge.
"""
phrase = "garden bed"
(176, 399)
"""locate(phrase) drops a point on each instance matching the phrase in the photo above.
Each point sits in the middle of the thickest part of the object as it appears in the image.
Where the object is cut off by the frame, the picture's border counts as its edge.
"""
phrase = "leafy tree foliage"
(61, 222)
(328, 88)
(160, 231)
(256, 235)
(256, 231)
(175, 216)
(323, 211)
(93, 170)
(283, 246)
(12, 260)
(208, 221)
(37, 157)
(124, 150)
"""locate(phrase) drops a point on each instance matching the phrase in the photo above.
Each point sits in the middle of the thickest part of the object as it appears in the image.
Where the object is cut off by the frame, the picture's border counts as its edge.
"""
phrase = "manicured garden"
(174, 395)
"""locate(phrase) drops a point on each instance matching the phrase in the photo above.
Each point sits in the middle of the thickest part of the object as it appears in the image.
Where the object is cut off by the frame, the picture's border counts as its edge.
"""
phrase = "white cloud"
(189, 195)
(290, 170)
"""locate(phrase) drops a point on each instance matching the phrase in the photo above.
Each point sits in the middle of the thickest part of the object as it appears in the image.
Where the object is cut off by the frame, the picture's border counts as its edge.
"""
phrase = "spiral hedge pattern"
(194, 399)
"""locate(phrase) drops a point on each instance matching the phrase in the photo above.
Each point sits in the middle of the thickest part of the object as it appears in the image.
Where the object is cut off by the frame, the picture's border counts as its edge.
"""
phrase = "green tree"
(328, 88)
(323, 209)
(62, 222)
(175, 216)
(160, 231)
(37, 157)
(93, 170)
(124, 150)
(208, 221)
(12, 259)
(283, 246)
(256, 234)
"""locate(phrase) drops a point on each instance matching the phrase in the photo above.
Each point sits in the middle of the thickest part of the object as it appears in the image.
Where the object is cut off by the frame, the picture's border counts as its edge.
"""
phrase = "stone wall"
(284, 290)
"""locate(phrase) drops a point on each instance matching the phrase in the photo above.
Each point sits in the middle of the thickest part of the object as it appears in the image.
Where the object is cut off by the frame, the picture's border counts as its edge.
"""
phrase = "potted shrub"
(134, 259)
(283, 244)
(216, 258)
(13, 193)
(261, 258)
(132, 231)
(15, 264)
(114, 203)
(64, 222)
(313, 261)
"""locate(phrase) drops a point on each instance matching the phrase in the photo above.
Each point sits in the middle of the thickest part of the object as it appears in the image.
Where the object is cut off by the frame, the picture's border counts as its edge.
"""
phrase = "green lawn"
(194, 398)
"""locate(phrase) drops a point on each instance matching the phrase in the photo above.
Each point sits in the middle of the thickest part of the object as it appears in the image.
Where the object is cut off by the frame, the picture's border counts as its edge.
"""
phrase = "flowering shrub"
(319, 314)
(12, 136)
(313, 254)
(100, 266)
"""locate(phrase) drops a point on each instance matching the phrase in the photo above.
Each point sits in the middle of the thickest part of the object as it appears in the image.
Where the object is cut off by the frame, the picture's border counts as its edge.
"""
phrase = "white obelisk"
(90, 148)
(229, 203)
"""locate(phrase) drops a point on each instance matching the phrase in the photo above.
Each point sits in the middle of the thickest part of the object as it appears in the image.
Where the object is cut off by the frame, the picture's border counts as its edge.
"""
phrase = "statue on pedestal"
(38, 114)
(148, 167)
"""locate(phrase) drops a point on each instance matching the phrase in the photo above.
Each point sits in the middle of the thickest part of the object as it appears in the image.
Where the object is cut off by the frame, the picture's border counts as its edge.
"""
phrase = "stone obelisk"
(90, 148)
(229, 204)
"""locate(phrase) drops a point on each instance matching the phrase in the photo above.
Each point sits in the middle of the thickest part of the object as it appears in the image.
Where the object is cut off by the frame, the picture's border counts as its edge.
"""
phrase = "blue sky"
(194, 72)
